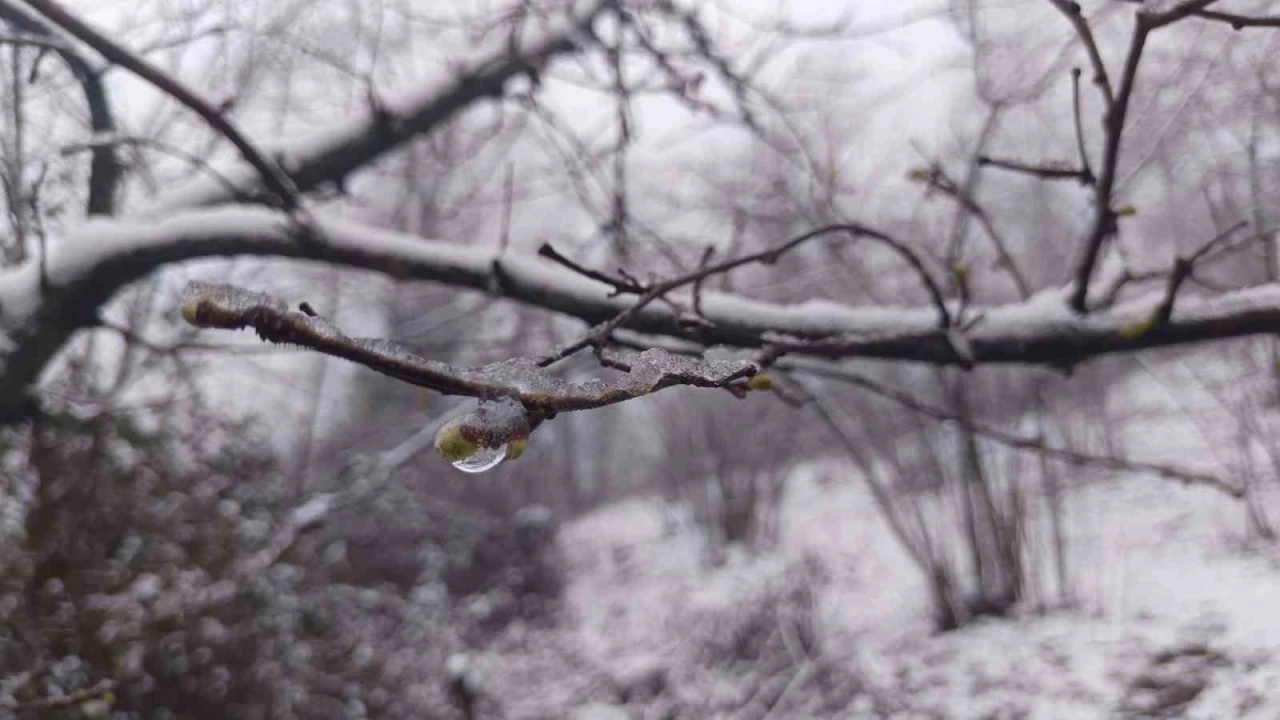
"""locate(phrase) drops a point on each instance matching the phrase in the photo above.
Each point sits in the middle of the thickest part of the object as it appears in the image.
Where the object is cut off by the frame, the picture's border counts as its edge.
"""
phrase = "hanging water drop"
(480, 439)
(482, 459)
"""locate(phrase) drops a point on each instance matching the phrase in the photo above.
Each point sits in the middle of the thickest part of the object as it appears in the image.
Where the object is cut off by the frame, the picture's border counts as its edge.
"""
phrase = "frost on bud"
(482, 438)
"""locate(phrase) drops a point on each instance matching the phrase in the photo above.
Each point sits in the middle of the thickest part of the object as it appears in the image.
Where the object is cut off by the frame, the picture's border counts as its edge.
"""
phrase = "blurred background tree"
(199, 526)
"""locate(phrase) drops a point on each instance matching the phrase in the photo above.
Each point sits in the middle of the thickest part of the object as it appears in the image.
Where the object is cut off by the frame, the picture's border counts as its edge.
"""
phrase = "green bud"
(453, 445)
(516, 446)
(190, 311)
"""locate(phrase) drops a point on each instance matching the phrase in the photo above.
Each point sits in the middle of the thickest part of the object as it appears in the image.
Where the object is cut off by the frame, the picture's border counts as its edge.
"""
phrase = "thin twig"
(973, 175)
(1052, 171)
(1178, 12)
(1104, 224)
(620, 214)
(1086, 172)
(225, 307)
(702, 41)
(186, 156)
(48, 43)
(1203, 251)
(134, 338)
(508, 191)
(1075, 16)
(1183, 268)
(599, 334)
(1034, 444)
(939, 180)
(620, 285)
(697, 284)
(1239, 22)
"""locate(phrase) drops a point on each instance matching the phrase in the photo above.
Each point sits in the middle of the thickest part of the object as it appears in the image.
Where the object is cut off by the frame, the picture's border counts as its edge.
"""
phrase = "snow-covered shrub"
(762, 651)
(160, 574)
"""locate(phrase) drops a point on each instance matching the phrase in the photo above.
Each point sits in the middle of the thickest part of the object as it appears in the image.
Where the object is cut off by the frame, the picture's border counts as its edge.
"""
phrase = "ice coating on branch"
(520, 374)
(655, 369)
(225, 307)
(401, 354)
(218, 306)
(214, 305)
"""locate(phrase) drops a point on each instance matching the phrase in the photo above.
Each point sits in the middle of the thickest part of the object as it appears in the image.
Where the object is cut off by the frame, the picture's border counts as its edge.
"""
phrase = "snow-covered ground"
(1176, 615)
(1169, 603)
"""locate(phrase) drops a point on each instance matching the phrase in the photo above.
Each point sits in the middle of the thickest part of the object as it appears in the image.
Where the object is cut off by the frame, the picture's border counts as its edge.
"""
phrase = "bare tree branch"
(1086, 171)
(276, 180)
(620, 284)
(1178, 12)
(37, 318)
(937, 179)
(1011, 440)
(1075, 16)
(843, 372)
(1237, 21)
(1046, 171)
(1040, 331)
(1104, 224)
(199, 163)
(39, 41)
(105, 172)
(330, 155)
(1182, 269)
(598, 336)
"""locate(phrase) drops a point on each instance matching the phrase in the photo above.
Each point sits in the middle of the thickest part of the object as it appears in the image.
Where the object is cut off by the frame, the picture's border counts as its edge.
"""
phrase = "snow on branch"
(89, 267)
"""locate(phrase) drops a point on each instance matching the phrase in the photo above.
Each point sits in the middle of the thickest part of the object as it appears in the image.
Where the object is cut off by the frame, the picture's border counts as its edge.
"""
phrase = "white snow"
(1155, 565)
(1165, 588)
(260, 231)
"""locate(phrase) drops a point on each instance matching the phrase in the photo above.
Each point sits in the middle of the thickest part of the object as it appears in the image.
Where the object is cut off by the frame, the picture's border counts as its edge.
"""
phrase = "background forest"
(1016, 457)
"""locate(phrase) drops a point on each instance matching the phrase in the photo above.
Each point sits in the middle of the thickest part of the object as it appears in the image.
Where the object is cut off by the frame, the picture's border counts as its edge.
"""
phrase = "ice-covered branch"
(225, 307)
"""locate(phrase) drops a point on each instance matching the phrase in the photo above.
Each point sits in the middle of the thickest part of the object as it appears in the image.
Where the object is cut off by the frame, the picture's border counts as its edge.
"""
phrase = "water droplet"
(483, 459)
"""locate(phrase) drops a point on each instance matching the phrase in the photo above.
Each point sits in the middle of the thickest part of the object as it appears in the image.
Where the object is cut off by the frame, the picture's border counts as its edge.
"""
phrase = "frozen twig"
(230, 308)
